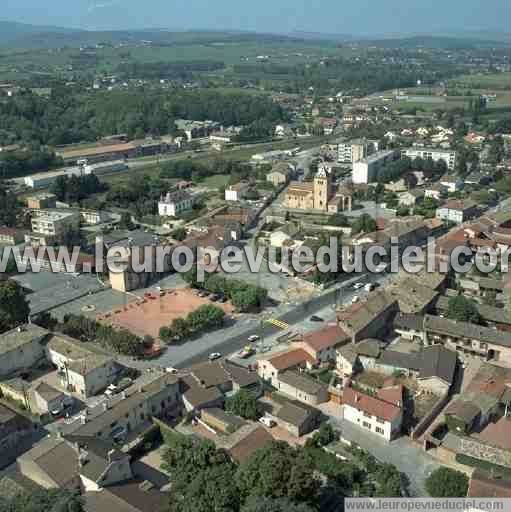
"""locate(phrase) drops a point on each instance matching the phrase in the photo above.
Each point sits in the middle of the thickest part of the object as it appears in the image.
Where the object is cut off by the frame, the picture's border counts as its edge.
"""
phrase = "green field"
(216, 182)
(497, 81)
(67, 61)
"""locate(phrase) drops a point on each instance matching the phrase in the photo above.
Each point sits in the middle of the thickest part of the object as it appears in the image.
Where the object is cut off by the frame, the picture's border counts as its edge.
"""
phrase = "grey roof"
(20, 336)
(225, 417)
(413, 297)
(369, 347)
(47, 392)
(240, 375)
(466, 411)
(408, 321)
(211, 373)
(437, 361)
(363, 314)
(448, 327)
(296, 413)
(6, 414)
(198, 396)
(488, 313)
(301, 382)
(135, 395)
(349, 353)
(401, 360)
(57, 458)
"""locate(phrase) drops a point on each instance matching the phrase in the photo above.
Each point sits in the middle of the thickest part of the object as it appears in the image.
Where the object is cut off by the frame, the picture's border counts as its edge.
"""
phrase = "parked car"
(369, 287)
(268, 422)
(315, 318)
(357, 286)
(214, 355)
(118, 434)
(253, 338)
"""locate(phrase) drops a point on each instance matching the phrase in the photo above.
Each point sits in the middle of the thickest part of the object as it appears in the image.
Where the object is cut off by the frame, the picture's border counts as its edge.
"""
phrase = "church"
(319, 195)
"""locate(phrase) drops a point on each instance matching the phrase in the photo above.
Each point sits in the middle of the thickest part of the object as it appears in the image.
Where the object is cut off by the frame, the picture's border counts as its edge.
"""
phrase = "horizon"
(388, 18)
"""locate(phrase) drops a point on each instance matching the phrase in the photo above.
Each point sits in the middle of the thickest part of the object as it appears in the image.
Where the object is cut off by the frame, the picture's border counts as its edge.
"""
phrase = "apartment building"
(457, 211)
(449, 157)
(50, 225)
(366, 170)
(355, 150)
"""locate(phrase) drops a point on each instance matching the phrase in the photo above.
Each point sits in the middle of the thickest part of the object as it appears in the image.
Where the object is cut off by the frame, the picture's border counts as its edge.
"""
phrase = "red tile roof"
(329, 336)
(257, 439)
(482, 486)
(498, 434)
(290, 358)
(393, 395)
(371, 405)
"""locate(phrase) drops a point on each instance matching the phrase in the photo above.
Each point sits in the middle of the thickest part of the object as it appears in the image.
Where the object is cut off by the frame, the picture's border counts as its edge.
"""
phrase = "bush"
(447, 483)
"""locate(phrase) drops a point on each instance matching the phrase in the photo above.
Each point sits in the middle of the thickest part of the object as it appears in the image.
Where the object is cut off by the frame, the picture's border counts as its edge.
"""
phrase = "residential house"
(22, 348)
(482, 287)
(410, 326)
(14, 428)
(280, 174)
(175, 203)
(157, 394)
(457, 211)
(370, 318)
(322, 344)
(435, 191)
(46, 398)
(83, 368)
(42, 201)
(300, 387)
(468, 339)
(11, 236)
(297, 418)
(236, 192)
(378, 414)
(221, 421)
(451, 182)
(50, 226)
(255, 439)
(357, 356)
(411, 198)
(411, 295)
(485, 485)
(270, 367)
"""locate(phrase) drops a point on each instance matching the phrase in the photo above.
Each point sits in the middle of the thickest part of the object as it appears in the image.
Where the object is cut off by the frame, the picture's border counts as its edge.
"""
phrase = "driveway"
(408, 457)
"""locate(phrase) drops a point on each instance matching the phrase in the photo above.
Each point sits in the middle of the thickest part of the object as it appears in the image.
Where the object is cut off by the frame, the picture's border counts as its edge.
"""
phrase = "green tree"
(364, 224)
(179, 234)
(14, 307)
(463, 310)
(126, 222)
(243, 404)
(447, 483)
(258, 504)
(278, 471)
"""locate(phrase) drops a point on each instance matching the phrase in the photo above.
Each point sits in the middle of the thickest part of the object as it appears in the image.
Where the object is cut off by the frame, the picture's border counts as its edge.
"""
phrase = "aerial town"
(283, 389)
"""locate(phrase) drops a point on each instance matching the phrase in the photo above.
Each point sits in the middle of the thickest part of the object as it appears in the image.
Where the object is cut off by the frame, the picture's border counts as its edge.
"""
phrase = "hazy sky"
(333, 16)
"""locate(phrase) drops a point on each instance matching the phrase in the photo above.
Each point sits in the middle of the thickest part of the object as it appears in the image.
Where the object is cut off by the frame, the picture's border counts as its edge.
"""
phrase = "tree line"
(72, 115)
(202, 320)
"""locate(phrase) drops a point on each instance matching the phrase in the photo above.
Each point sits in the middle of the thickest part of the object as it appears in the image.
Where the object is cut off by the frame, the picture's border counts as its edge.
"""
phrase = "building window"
(366, 425)
(367, 415)
(380, 431)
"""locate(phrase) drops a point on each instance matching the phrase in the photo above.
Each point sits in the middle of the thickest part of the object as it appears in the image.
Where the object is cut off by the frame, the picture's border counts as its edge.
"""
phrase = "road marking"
(279, 323)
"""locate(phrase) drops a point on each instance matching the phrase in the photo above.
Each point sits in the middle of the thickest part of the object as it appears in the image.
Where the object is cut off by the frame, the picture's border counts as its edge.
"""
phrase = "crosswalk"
(279, 323)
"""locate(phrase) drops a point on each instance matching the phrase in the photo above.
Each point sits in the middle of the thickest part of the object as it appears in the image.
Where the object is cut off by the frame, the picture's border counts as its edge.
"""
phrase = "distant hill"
(435, 41)
(23, 36)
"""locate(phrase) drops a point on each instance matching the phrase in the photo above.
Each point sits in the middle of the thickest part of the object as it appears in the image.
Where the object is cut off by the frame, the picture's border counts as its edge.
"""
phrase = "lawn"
(215, 182)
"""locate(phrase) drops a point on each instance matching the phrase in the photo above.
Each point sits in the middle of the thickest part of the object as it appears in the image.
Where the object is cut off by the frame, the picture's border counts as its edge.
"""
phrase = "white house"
(83, 369)
(382, 415)
(451, 183)
(236, 192)
(175, 203)
(457, 211)
(21, 348)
